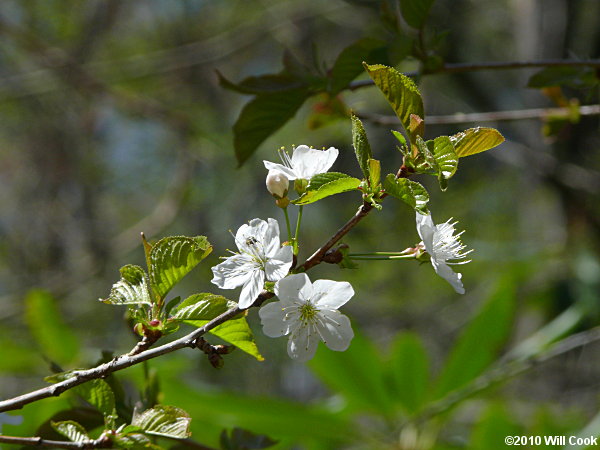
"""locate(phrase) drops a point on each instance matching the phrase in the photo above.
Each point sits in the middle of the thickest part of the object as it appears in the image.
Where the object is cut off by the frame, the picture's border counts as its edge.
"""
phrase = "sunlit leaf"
(98, 394)
(327, 184)
(71, 430)
(415, 12)
(361, 145)
(131, 289)
(164, 421)
(399, 90)
(203, 306)
(374, 173)
(134, 441)
(410, 192)
(476, 140)
(172, 258)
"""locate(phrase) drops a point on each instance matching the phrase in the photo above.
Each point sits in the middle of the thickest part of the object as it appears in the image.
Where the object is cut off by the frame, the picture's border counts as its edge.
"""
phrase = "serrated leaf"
(134, 441)
(410, 192)
(164, 420)
(71, 430)
(374, 173)
(444, 155)
(347, 66)
(415, 12)
(131, 289)
(98, 394)
(261, 117)
(399, 90)
(327, 184)
(475, 140)
(362, 149)
(203, 306)
(174, 257)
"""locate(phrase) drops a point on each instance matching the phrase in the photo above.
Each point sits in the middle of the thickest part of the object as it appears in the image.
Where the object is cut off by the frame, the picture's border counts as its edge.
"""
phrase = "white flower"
(444, 248)
(261, 257)
(308, 313)
(305, 162)
(277, 184)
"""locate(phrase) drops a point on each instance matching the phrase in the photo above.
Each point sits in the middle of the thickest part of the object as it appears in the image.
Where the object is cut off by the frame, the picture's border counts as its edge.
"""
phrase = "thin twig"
(102, 442)
(493, 116)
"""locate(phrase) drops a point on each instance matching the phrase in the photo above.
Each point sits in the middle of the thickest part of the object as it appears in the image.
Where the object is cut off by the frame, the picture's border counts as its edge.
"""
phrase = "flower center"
(446, 245)
(307, 312)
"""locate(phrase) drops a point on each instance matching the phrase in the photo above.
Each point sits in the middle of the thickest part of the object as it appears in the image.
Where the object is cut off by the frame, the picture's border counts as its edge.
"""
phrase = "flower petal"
(251, 234)
(444, 271)
(270, 238)
(308, 162)
(426, 229)
(272, 318)
(302, 343)
(289, 173)
(252, 288)
(331, 294)
(279, 265)
(233, 272)
(294, 288)
(335, 330)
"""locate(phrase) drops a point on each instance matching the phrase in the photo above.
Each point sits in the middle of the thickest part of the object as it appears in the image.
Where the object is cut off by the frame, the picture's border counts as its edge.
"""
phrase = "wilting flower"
(444, 248)
(304, 163)
(260, 258)
(277, 184)
(308, 312)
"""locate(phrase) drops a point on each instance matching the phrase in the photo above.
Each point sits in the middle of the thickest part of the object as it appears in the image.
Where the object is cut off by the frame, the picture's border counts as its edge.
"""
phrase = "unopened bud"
(300, 185)
(154, 323)
(277, 184)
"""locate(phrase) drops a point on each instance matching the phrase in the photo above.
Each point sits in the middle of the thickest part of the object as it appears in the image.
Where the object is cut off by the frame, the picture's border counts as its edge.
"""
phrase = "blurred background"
(113, 122)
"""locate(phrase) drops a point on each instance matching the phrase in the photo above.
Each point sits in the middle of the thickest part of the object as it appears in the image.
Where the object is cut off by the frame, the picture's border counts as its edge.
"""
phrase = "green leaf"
(326, 184)
(199, 309)
(164, 421)
(400, 137)
(174, 257)
(362, 149)
(399, 90)
(374, 173)
(262, 84)
(52, 335)
(348, 64)
(71, 430)
(576, 77)
(410, 192)
(477, 346)
(261, 117)
(415, 12)
(241, 439)
(476, 140)
(134, 441)
(409, 367)
(98, 394)
(131, 289)
(444, 155)
(493, 426)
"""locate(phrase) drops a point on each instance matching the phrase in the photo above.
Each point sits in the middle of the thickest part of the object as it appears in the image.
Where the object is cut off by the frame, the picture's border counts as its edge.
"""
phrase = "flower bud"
(277, 184)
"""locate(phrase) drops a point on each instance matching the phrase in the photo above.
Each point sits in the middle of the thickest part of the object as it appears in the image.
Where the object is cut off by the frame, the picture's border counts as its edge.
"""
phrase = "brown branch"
(102, 442)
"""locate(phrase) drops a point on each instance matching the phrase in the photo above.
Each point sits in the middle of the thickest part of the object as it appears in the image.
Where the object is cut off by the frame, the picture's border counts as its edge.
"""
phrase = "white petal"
(272, 318)
(331, 294)
(279, 265)
(289, 173)
(233, 272)
(302, 343)
(426, 229)
(335, 330)
(270, 238)
(308, 162)
(444, 271)
(293, 288)
(251, 289)
(255, 230)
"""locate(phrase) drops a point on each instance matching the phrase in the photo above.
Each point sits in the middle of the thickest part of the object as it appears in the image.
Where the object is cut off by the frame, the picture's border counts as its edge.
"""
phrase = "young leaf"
(410, 192)
(400, 137)
(444, 155)
(98, 394)
(326, 184)
(261, 117)
(415, 11)
(172, 258)
(475, 140)
(374, 173)
(71, 430)
(134, 441)
(164, 421)
(131, 289)
(362, 149)
(348, 64)
(203, 306)
(399, 90)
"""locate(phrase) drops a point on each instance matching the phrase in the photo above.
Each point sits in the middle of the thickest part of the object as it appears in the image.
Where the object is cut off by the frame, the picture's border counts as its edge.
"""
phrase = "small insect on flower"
(261, 258)
(308, 312)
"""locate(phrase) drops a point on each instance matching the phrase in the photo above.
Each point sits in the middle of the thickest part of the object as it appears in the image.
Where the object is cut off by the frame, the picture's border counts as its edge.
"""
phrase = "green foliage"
(174, 257)
(410, 192)
(399, 90)
(131, 289)
(240, 439)
(493, 427)
(52, 335)
(347, 66)
(374, 173)
(203, 306)
(98, 394)
(415, 12)
(164, 421)
(476, 140)
(327, 184)
(134, 440)
(409, 371)
(361, 145)
(71, 430)
(479, 343)
(576, 77)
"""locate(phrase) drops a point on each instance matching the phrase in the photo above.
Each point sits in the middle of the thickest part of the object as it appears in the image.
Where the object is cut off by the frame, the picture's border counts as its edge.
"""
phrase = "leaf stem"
(298, 222)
